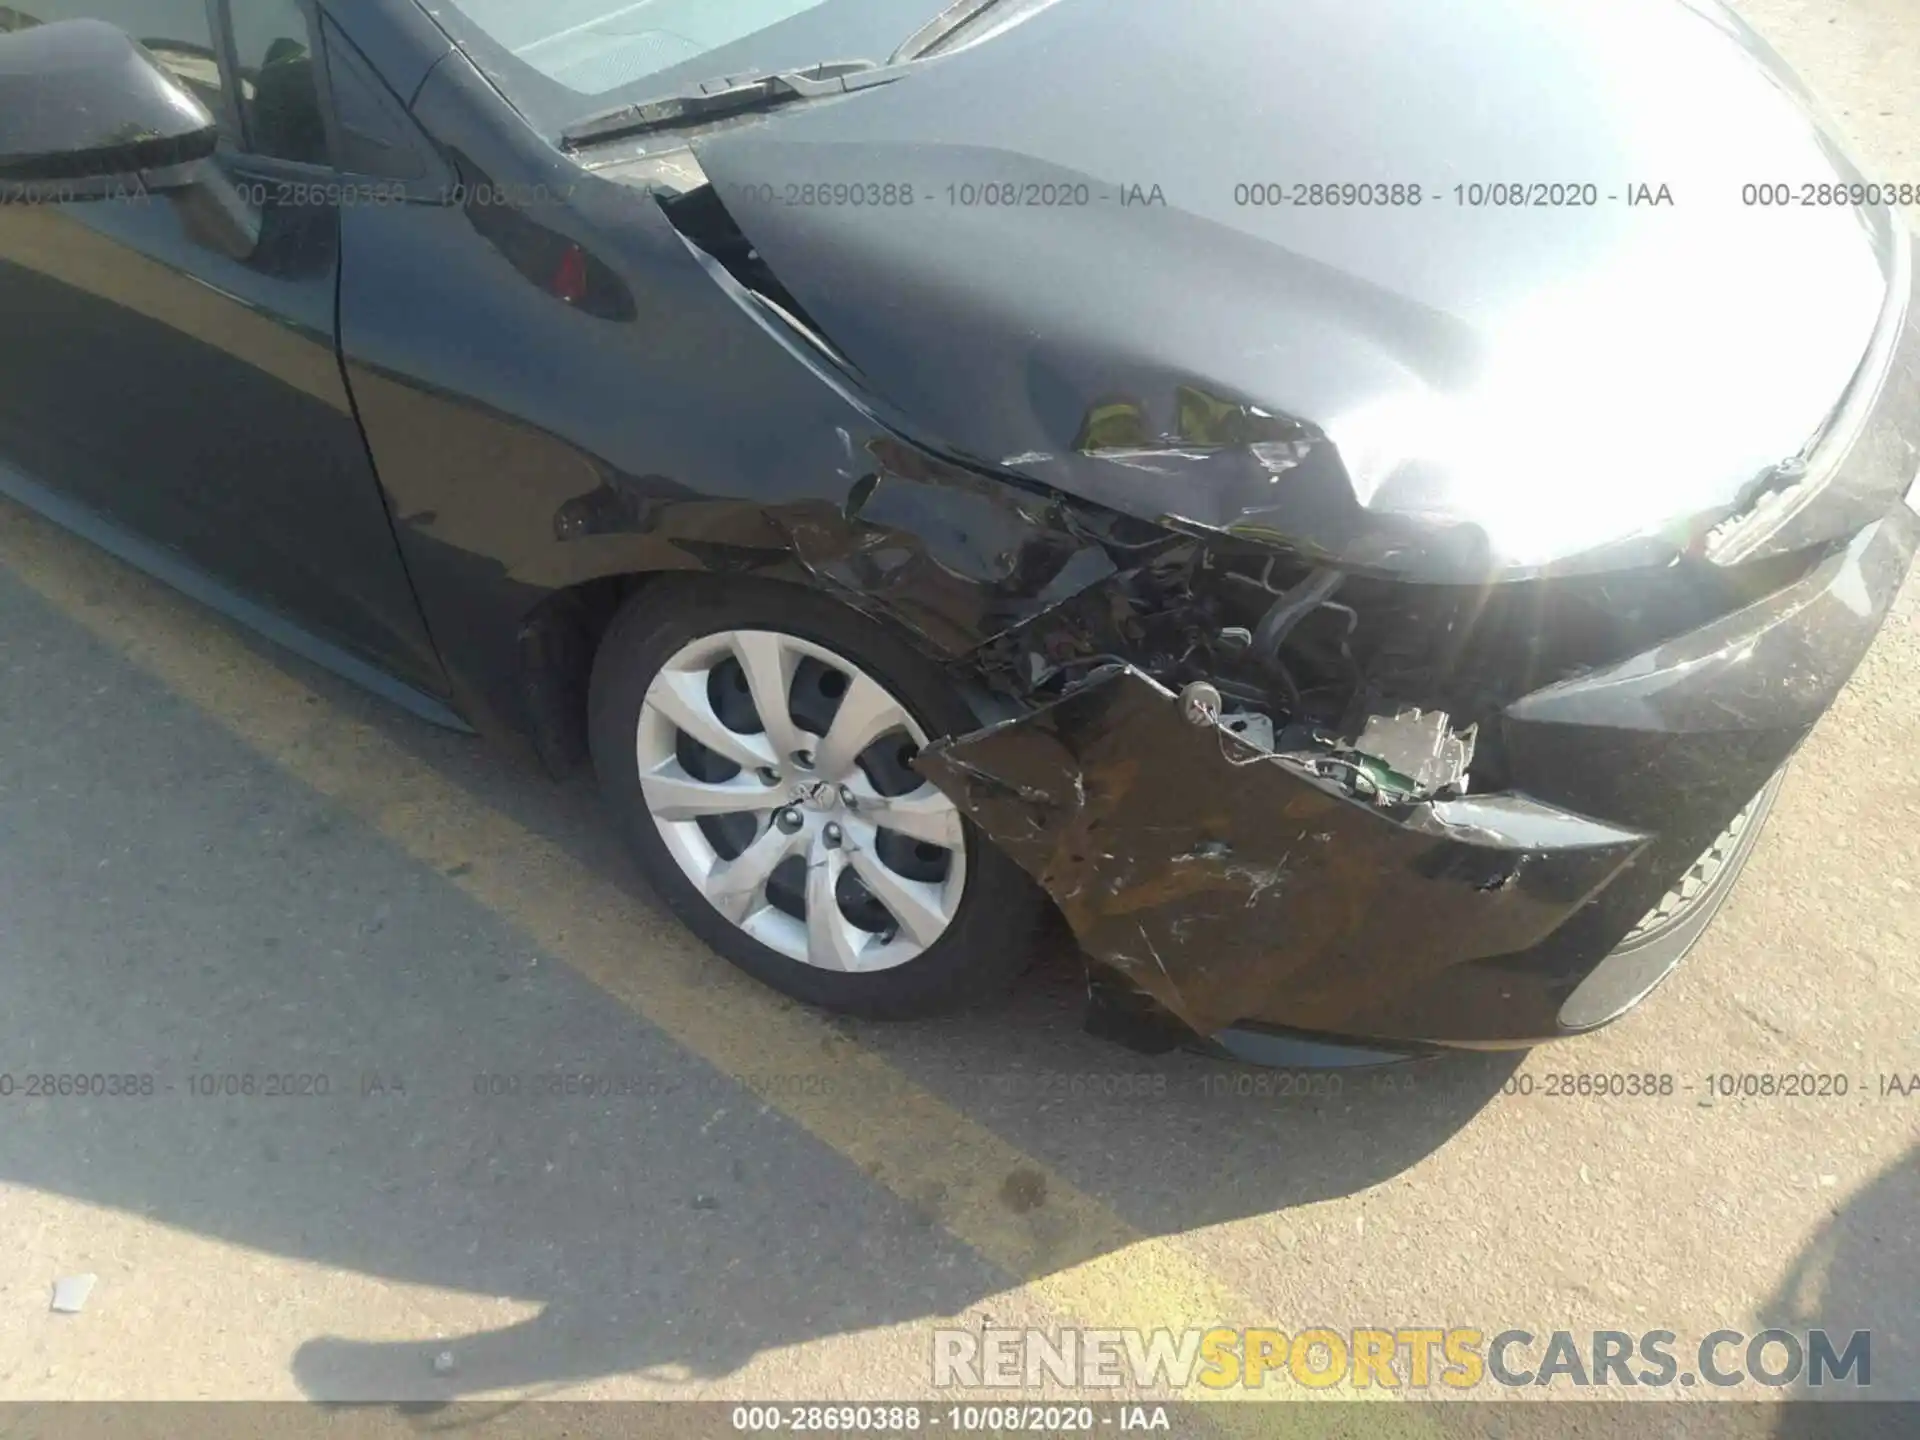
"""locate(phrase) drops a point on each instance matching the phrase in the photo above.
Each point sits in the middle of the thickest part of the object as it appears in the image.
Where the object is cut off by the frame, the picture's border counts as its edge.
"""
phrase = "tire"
(678, 625)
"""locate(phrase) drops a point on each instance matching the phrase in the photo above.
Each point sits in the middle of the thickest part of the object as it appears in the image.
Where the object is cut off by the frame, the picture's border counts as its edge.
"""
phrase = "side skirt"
(170, 569)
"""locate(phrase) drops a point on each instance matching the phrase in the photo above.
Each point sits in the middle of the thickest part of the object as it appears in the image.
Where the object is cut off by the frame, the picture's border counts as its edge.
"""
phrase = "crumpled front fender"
(1226, 885)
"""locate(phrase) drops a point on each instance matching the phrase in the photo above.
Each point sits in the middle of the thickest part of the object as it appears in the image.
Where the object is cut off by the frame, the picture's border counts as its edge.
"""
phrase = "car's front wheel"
(755, 743)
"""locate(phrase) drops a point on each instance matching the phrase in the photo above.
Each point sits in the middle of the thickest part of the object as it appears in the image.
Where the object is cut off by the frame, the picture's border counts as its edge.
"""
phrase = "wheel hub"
(800, 817)
(818, 795)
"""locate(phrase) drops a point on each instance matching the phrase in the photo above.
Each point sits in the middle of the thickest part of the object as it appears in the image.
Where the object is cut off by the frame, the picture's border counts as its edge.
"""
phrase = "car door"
(170, 362)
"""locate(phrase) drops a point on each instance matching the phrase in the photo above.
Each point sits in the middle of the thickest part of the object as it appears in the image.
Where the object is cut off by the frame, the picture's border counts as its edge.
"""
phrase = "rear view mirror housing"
(86, 111)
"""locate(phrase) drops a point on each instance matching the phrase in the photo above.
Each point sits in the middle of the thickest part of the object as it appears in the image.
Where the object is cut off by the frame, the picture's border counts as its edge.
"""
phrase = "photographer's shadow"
(179, 905)
(1170, 1143)
(1862, 1272)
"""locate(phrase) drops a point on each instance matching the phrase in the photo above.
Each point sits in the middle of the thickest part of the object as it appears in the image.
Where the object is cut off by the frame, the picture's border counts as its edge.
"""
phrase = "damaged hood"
(1085, 251)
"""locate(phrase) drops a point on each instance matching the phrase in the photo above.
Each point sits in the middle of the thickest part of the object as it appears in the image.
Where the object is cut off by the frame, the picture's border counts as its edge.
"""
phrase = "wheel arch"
(557, 639)
(554, 645)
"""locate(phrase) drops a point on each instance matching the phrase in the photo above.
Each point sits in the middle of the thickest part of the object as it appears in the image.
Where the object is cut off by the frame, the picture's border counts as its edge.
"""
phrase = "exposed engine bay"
(1385, 691)
(1424, 815)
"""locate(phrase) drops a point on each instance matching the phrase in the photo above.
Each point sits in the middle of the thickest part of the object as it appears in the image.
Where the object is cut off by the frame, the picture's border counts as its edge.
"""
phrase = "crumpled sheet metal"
(953, 556)
(958, 558)
(1226, 885)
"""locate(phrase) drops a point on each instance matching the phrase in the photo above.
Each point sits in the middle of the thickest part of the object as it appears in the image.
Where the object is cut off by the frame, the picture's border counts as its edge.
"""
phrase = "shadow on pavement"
(1862, 1272)
(177, 906)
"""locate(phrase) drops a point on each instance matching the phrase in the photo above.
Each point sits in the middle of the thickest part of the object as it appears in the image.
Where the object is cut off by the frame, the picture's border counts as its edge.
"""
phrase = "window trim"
(229, 71)
(340, 48)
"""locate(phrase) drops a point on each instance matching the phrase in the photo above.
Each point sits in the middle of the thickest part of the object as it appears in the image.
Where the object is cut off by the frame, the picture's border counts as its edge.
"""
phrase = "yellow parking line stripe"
(1074, 1252)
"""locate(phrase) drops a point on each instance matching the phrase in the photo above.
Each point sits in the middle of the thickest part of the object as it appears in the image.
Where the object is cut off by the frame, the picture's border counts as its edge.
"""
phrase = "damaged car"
(1352, 504)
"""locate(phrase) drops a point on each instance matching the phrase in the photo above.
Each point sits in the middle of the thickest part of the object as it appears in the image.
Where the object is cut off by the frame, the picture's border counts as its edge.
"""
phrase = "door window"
(278, 80)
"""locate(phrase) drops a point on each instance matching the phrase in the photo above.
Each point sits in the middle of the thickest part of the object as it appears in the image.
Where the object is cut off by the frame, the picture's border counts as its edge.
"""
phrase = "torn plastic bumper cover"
(1237, 888)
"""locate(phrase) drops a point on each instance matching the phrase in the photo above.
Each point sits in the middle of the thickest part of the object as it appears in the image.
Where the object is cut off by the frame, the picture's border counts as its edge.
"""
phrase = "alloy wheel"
(779, 775)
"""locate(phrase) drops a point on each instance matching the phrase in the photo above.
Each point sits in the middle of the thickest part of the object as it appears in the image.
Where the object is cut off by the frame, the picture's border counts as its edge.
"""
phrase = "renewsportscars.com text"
(1410, 1358)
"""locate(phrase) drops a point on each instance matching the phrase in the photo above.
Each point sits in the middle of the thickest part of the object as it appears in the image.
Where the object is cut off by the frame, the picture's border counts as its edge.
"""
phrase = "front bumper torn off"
(1227, 886)
(1233, 891)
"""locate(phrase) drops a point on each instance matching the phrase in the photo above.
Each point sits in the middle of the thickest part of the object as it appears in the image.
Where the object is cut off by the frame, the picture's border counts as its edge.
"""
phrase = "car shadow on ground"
(179, 906)
(1861, 1271)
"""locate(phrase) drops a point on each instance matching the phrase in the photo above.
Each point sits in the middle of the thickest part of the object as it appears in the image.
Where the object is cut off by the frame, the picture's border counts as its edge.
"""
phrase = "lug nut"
(767, 775)
(831, 835)
(847, 798)
(789, 821)
(803, 758)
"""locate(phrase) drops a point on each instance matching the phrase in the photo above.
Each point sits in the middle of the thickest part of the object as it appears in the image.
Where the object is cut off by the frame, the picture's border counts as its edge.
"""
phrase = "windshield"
(558, 60)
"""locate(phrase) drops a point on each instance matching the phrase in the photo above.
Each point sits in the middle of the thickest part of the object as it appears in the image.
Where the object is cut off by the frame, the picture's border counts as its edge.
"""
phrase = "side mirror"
(85, 111)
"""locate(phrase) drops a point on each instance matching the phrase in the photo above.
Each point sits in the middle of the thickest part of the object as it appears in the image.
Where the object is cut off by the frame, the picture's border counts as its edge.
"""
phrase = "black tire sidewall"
(991, 936)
